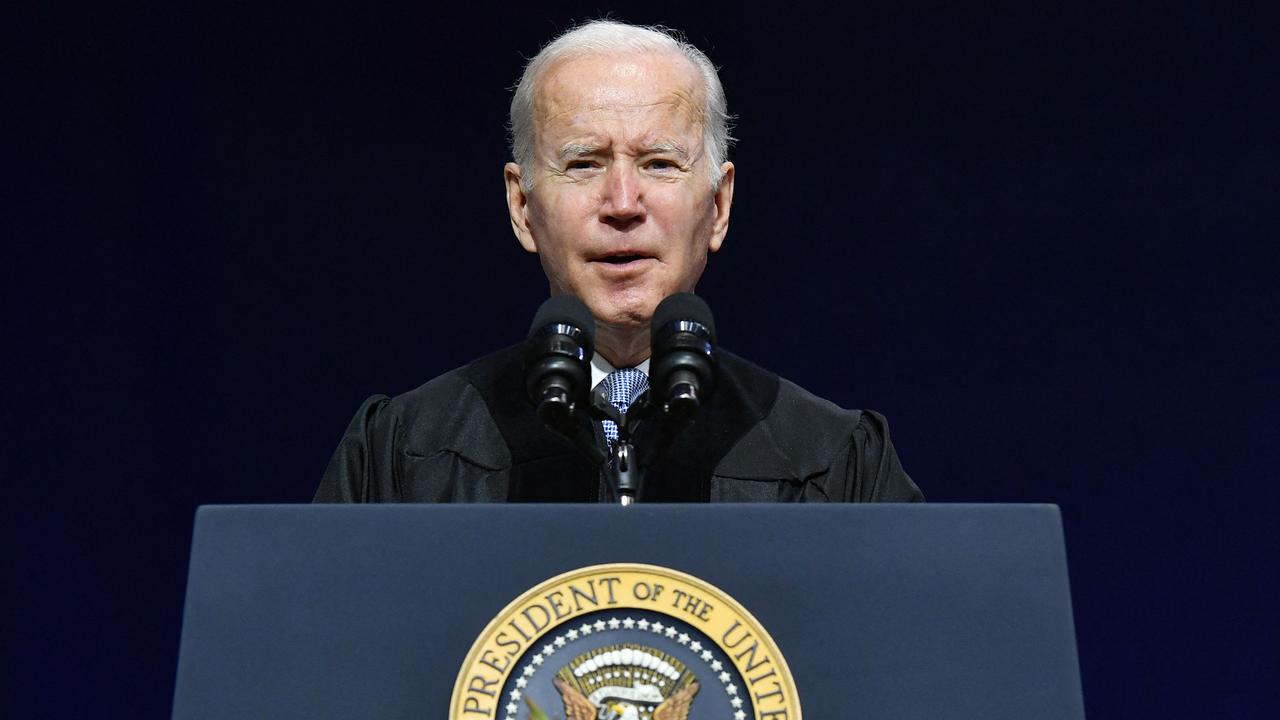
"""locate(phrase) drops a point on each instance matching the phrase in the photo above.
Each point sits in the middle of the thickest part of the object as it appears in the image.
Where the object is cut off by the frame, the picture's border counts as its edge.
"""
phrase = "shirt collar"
(601, 368)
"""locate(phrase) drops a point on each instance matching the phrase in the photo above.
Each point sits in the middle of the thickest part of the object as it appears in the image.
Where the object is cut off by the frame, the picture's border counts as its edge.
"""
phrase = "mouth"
(622, 259)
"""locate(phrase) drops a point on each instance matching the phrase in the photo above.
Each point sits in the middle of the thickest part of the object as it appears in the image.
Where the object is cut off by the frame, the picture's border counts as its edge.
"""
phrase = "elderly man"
(622, 187)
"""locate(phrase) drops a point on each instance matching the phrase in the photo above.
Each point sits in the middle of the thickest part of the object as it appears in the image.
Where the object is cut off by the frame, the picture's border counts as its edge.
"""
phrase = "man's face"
(622, 212)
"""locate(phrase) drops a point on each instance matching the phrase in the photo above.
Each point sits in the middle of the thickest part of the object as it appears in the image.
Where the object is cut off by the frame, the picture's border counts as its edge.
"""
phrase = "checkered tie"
(622, 387)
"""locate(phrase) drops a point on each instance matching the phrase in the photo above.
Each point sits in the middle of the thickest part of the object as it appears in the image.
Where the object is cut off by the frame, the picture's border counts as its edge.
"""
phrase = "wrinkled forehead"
(601, 84)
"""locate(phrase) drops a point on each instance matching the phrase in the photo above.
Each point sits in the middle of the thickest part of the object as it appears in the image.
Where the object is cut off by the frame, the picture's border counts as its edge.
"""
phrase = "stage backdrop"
(1040, 238)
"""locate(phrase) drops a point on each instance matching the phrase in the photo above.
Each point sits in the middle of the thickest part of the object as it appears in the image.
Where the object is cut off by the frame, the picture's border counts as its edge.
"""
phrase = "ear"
(518, 207)
(723, 201)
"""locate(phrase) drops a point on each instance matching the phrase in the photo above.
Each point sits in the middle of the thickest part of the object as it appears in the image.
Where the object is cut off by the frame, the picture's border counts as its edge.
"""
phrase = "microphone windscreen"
(682, 306)
(566, 310)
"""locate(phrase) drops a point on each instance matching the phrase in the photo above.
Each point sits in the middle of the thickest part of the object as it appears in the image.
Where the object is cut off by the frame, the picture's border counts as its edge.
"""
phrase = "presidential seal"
(624, 642)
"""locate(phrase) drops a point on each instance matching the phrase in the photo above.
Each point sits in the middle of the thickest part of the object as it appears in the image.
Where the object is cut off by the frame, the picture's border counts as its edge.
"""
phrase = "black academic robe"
(471, 435)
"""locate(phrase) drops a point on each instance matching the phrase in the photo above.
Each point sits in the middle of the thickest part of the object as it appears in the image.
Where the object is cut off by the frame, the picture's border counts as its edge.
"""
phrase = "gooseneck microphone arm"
(628, 477)
(624, 472)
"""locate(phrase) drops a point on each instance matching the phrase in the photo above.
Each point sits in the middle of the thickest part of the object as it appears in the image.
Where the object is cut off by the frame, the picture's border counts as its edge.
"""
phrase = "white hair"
(602, 37)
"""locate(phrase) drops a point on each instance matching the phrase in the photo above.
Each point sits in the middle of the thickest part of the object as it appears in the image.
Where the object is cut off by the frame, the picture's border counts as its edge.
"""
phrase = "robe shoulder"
(812, 450)
(417, 446)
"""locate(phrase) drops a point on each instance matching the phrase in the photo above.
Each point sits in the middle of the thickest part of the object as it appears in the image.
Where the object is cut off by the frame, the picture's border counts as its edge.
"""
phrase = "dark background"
(1040, 237)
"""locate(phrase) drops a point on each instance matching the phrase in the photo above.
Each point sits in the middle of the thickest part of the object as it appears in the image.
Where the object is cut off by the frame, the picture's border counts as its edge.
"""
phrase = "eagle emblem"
(624, 682)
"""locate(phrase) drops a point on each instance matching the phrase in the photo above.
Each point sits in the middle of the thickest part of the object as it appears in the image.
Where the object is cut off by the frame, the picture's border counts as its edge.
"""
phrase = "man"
(622, 187)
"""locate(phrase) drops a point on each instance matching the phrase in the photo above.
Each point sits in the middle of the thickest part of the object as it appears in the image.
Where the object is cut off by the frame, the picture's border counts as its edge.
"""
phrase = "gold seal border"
(790, 702)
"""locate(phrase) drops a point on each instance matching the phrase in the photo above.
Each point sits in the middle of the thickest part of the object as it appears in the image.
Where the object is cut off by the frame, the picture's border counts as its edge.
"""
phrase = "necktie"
(622, 387)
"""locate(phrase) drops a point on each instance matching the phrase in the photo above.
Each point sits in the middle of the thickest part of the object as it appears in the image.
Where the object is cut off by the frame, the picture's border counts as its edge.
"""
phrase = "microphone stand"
(656, 425)
(622, 469)
(624, 473)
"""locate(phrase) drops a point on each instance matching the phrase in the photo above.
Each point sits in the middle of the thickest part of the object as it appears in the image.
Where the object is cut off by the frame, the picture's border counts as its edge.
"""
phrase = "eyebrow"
(578, 150)
(574, 149)
(665, 147)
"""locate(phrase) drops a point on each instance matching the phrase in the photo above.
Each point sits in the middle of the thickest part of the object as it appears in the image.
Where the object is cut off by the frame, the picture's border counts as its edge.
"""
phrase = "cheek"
(571, 199)
(693, 221)
(689, 209)
(562, 216)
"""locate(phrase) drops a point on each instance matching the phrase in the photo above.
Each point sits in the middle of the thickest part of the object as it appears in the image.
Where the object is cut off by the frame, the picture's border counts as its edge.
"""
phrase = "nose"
(622, 204)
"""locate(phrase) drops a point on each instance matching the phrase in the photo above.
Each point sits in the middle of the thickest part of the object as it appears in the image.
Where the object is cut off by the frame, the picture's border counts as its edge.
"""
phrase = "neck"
(623, 347)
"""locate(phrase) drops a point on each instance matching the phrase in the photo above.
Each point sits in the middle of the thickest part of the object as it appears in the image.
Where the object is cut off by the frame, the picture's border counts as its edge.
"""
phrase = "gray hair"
(600, 37)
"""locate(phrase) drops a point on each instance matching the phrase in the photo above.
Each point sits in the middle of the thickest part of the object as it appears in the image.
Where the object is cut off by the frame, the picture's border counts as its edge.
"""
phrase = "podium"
(877, 611)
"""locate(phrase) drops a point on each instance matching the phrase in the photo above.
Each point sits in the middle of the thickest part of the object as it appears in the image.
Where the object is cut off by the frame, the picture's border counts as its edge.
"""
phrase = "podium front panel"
(881, 611)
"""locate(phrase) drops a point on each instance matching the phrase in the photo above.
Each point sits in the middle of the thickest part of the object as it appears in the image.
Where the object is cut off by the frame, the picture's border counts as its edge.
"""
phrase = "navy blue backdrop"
(1039, 237)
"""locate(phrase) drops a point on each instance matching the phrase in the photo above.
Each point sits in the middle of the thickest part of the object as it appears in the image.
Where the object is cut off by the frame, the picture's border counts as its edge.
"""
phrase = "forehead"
(579, 93)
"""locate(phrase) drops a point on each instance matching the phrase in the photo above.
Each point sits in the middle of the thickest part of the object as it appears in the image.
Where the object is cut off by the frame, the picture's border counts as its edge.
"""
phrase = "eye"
(660, 164)
(581, 165)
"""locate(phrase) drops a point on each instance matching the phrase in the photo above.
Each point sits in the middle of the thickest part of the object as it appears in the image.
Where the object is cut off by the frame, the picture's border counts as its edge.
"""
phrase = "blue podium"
(650, 612)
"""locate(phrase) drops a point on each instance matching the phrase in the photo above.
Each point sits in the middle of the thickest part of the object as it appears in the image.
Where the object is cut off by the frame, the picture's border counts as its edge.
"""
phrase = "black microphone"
(682, 373)
(557, 360)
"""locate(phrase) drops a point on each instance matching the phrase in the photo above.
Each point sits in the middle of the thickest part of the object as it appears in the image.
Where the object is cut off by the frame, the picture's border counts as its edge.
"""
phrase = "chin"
(627, 309)
(625, 318)
(624, 308)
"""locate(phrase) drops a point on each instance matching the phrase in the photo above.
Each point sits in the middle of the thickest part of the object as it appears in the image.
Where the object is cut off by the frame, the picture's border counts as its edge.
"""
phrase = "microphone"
(682, 374)
(557, 360)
